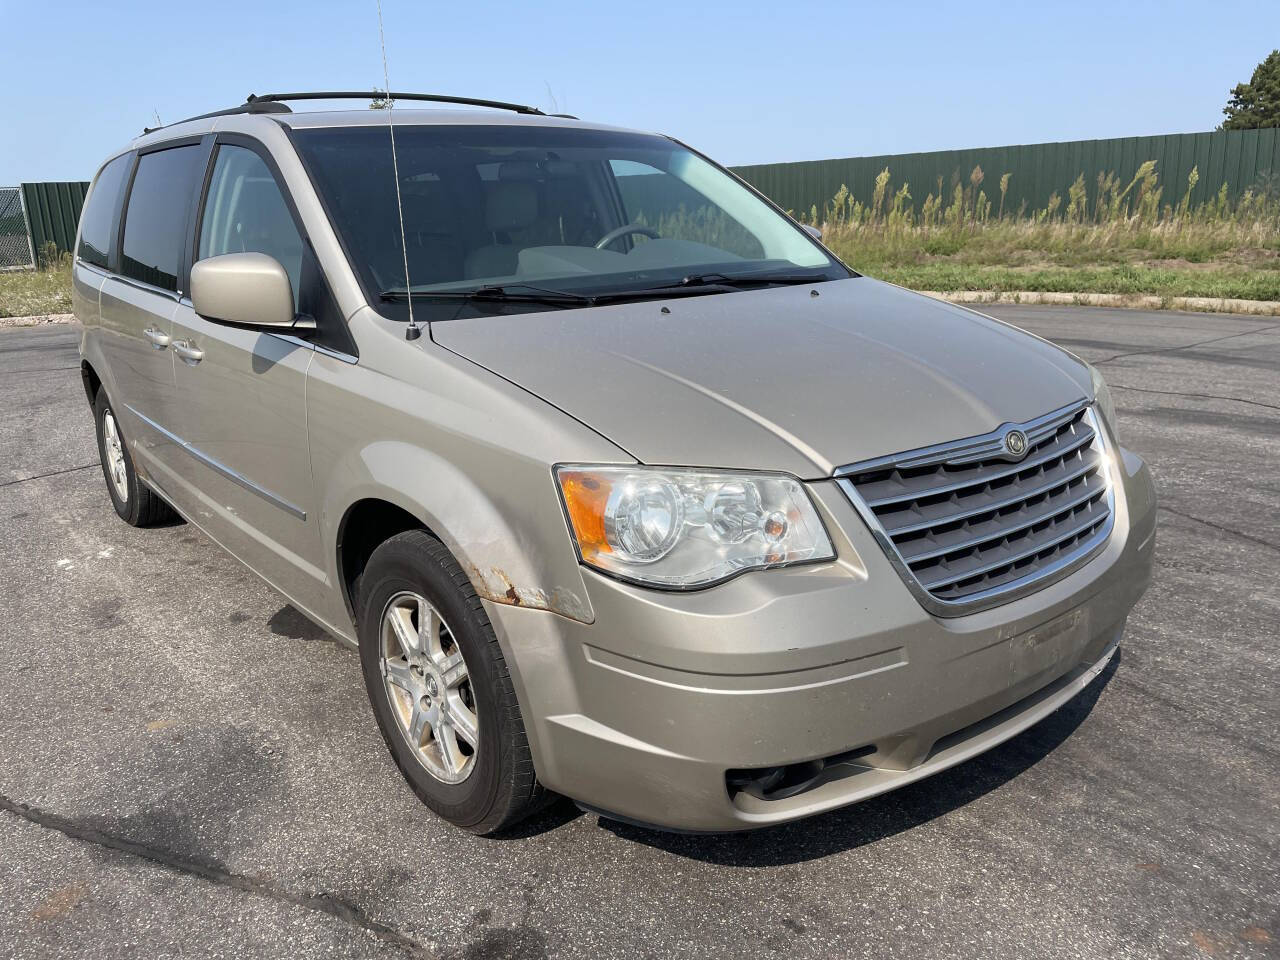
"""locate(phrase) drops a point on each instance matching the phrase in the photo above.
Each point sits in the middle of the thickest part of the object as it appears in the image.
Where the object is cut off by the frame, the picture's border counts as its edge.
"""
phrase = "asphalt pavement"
(189, 767)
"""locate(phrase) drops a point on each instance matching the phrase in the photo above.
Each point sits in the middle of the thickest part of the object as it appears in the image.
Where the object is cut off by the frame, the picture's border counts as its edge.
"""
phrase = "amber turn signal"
(585, 496)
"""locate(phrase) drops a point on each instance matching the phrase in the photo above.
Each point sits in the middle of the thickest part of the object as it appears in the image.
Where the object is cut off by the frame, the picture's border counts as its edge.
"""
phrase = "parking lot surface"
(188, 766)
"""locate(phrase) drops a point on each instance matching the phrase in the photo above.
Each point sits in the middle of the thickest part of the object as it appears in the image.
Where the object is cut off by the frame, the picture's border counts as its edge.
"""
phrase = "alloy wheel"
(429, 687)
(115, 456)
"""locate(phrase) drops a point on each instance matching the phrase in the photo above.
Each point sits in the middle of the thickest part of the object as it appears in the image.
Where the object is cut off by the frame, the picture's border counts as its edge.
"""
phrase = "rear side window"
(99, 212)
(245, 212)
(155, 223)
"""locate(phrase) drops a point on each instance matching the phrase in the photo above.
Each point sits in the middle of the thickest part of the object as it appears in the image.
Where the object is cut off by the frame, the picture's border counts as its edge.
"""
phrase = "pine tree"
(1256, 103)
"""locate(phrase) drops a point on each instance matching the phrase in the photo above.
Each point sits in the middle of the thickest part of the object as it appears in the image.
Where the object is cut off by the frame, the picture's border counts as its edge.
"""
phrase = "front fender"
(514, 563)
(464, 451)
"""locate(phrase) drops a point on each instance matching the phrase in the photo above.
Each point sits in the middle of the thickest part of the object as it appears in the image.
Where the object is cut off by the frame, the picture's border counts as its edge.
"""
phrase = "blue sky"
(744, 82)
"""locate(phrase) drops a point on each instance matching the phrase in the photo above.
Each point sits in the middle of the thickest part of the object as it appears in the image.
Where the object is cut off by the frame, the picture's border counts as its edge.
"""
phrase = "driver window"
(665, 203)
(245, 212)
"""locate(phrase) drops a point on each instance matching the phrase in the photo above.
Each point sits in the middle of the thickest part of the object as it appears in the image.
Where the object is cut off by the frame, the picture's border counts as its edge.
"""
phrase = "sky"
(743, 82)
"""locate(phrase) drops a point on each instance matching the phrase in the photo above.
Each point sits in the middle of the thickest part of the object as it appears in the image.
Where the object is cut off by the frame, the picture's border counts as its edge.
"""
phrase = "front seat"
(432, 245)
(510, 205)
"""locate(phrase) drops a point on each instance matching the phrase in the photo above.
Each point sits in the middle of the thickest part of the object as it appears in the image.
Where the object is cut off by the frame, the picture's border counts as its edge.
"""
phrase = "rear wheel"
(440, 688)
(135, 502)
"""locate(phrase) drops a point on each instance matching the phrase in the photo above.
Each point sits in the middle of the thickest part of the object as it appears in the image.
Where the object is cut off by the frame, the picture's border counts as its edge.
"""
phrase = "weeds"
(1108, 237)
(25, 293)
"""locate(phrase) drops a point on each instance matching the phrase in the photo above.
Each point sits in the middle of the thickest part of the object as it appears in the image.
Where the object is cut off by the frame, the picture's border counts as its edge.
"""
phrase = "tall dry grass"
(1113, 222)
(45, 290)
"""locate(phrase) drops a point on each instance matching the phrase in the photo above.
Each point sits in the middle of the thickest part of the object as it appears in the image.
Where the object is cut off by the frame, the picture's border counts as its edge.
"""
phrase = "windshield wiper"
(698, 284)
(750, 279)
(701, 284)
(497, 293)
(527, 293)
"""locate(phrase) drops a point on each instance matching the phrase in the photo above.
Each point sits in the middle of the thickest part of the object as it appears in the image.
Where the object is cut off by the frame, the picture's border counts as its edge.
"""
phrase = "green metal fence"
(1241, 159)
(53, 210)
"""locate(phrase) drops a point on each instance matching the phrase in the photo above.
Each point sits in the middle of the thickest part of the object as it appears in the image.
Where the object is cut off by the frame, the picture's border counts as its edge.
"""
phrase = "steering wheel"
(624, 230)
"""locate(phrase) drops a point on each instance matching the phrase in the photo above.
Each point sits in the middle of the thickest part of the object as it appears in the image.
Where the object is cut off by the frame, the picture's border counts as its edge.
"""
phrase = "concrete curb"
(1133, 301)
(37, 320)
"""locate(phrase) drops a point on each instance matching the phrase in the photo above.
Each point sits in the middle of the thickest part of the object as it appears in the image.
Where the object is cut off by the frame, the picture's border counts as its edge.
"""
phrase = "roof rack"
(248, 106)
(274, 103)
(382, 95)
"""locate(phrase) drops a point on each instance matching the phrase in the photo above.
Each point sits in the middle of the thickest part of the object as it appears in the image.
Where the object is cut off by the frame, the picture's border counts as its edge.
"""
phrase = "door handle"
(158, 339)
(187, 352)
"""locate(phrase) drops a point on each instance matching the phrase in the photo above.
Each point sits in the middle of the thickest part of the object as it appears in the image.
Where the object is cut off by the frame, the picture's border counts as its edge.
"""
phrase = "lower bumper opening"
(781, 782)
(846, 777)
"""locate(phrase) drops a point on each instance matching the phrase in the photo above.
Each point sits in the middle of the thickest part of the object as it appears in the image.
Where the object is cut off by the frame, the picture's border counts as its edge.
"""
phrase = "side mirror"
(811, 231)
(248, 289)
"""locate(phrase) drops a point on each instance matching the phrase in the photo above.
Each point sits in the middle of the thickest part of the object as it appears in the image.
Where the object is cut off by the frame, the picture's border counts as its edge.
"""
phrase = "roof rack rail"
(249, 106)
(274, 103)
(381, 94)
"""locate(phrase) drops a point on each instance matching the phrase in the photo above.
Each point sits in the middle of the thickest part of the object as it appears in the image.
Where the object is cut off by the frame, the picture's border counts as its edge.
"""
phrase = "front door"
(240, 395)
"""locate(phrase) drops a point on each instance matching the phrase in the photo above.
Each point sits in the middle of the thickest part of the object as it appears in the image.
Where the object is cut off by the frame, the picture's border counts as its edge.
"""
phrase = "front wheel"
(440, 688)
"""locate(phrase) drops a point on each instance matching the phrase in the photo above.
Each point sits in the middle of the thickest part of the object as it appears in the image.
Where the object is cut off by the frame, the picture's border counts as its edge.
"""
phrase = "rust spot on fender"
(495, 585)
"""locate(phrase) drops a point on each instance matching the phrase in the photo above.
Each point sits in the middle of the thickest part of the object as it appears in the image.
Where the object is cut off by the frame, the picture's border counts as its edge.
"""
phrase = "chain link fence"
(16, 252)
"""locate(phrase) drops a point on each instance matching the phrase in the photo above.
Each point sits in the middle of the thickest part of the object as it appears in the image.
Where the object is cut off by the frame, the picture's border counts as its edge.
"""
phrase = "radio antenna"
(411, 332)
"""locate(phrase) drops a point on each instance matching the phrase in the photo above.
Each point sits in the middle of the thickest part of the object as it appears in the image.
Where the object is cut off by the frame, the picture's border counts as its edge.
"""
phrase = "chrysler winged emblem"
(1015, 442)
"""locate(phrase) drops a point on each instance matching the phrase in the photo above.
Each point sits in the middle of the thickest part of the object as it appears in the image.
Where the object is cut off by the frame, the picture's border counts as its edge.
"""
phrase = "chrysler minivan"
(625, 488)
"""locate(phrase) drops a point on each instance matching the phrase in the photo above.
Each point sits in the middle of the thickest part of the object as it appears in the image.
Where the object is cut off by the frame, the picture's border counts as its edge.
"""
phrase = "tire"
(483, 788)
(136, 503)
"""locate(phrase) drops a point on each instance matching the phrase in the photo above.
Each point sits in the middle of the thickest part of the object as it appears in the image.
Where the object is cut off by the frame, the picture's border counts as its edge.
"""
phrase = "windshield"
(552, 209)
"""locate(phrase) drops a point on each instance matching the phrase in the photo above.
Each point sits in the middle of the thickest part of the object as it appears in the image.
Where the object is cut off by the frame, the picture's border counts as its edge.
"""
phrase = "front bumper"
(643, 712)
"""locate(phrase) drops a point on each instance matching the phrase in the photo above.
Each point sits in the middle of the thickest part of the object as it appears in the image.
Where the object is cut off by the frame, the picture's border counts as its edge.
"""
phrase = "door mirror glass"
(811, 231)
(250, 289)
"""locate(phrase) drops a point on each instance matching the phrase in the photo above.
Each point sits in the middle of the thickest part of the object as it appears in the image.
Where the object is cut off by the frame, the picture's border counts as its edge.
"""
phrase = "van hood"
(777, 379)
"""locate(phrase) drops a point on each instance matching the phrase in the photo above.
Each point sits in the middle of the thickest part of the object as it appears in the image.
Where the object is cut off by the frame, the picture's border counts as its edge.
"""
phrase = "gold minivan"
(624, 486)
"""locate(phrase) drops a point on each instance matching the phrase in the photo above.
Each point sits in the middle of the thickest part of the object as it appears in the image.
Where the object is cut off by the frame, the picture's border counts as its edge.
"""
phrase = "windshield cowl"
(689, 286)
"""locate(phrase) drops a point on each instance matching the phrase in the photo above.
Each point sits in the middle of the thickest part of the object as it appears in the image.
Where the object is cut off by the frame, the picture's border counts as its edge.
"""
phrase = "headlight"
(681, 528)
(1102, 400)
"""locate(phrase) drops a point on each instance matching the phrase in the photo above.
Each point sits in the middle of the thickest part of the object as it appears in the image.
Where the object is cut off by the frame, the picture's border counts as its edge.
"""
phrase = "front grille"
(967, 519)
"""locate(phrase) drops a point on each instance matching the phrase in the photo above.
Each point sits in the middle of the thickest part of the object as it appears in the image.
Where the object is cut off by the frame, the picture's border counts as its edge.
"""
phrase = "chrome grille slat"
(1035, 459)
(1009, 559)
(968, 526)
(1000, 532)
(941, 515)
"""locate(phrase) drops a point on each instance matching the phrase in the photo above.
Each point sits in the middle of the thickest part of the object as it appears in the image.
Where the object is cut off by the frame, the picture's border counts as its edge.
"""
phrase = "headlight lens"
(1102, 400)
(681, 528)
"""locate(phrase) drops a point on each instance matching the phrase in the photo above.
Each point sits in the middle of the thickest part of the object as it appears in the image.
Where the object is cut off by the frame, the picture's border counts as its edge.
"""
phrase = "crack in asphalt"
(1187, 346)
(1217, 526)
(1180, 706)
(51, 473)
(319, 903)
(40, 370)
(1202, 396)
